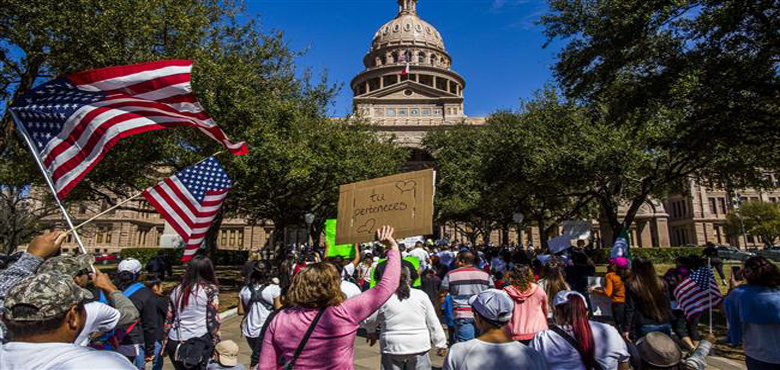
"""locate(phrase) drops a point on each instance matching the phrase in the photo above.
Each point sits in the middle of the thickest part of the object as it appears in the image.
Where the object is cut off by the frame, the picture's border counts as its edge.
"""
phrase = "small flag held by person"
(73, 121)
(190, 200)
(698, 292)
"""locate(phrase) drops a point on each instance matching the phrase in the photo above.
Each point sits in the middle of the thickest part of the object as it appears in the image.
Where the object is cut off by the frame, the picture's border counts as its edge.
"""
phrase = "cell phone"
(736, 272)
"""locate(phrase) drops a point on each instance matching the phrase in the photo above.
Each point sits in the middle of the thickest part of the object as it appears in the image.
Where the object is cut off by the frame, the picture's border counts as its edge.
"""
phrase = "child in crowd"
(226, 357)
(615, 289)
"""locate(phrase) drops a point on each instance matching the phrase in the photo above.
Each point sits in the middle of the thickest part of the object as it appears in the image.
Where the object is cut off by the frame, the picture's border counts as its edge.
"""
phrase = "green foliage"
(658, 255)
(219, 257)
(759, 219)
(685, 89)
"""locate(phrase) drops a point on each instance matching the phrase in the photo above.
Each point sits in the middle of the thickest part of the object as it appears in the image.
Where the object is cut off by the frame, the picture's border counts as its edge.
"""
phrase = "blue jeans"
(139, 361)
(650, 328)
(753, 364)
(157, 363)
(465, 329)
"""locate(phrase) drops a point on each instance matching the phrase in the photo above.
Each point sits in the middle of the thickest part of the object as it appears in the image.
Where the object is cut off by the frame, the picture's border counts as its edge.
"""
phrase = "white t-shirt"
(59, 356)
(257, 314)
(350, 289)
(421, 255)
(100, 318)
(478, 355)
(560, 355)
(349, 270)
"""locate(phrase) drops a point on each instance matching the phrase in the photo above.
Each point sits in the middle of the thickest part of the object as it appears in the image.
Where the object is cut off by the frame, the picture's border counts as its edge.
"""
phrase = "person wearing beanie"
(225, 357)
(494, 347)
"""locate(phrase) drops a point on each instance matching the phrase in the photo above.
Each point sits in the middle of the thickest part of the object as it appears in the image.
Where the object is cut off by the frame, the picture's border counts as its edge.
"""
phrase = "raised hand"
(385, 236)
(46, 245)
(102, 281)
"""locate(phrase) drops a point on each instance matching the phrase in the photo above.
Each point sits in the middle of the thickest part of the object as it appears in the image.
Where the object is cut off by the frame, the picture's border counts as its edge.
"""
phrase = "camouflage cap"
(68, 265)
(51, 293)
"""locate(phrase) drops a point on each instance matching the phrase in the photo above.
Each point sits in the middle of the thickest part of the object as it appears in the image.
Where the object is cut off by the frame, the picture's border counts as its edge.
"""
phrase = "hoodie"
(530, 313)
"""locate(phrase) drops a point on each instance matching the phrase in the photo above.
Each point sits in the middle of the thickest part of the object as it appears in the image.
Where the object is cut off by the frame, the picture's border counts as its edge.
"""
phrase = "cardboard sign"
(403, 201)
(345, 250)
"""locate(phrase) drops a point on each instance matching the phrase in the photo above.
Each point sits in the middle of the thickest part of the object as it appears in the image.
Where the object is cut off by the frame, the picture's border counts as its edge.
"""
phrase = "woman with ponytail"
(409, 326)
(530, 314)
(571, 344)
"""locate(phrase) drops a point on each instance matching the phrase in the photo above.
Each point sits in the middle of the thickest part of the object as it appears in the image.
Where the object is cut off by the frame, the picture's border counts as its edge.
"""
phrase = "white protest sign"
(560, 243)
(579, 230)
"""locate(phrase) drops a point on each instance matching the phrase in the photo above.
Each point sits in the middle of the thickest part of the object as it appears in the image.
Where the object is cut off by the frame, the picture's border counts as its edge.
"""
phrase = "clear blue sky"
(494, 44)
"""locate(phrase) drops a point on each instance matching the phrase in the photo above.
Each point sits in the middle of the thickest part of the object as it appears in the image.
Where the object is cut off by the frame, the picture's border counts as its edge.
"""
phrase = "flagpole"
(36, 155)
(709, 289)
(95, 217)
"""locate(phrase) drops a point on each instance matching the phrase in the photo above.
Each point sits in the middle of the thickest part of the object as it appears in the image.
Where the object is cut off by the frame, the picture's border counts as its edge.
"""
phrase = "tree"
(692, 86)
(757, 219)
(463, 197)
(21, 213)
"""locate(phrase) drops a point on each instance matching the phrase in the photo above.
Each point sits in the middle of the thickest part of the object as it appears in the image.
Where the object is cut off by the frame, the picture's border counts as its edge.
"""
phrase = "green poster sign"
(414, 260)
(346, 250)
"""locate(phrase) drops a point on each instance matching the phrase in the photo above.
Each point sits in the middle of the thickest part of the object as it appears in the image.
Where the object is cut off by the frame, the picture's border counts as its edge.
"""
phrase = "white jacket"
(408, 326)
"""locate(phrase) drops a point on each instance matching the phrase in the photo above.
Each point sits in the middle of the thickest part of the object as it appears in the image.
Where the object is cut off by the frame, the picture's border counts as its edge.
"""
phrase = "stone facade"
(698, 216)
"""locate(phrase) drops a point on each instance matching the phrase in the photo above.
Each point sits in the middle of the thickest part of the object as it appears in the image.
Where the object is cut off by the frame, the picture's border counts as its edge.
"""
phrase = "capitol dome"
(407, 29)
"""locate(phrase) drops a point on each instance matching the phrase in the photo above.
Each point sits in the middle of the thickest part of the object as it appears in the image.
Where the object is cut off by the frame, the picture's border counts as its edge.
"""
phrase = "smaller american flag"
(190, 200)
(698, 292)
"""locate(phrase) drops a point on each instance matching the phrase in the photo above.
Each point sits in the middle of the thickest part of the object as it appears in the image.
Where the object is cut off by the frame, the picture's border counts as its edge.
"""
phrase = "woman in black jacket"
(648, 307)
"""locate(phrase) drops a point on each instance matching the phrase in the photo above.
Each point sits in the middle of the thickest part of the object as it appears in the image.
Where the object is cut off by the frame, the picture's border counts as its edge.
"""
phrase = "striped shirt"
(463, 283)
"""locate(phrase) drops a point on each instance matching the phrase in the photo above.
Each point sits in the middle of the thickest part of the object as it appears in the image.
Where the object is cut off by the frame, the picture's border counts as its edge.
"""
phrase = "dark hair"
(575, 313)
(338, 262)
(760, 271)
(200, 271)
(494, 324)
(408, 276)
(467, 258)
(124, 279)
(152, 280)
(521, 277)
(649, 289)
(556, 281)
(261, 274)
(25, 329)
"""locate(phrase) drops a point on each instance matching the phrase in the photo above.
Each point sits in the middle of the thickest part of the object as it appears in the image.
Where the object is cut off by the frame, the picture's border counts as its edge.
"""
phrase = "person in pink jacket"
(530, 313)
(316, 291)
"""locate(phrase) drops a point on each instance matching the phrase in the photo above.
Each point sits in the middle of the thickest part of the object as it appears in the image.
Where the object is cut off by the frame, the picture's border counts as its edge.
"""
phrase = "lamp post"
(309, 220)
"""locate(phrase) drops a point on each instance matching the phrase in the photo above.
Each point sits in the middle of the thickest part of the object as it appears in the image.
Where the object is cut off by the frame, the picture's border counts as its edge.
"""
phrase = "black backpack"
(257, 297)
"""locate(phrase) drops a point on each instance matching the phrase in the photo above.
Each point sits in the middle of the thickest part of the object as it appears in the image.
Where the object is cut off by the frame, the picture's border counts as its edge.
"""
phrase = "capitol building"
(409, 86)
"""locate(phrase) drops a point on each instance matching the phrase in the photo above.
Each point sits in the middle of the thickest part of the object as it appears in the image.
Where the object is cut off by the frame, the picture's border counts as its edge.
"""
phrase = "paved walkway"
(367, 358)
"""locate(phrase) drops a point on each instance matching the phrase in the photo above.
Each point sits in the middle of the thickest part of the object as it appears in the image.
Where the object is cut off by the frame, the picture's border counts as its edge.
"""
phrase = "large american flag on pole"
(698, 292)
(190, 200)
(74, 120)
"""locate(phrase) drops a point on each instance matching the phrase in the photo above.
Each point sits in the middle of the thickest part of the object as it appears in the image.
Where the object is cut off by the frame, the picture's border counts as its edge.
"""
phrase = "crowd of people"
(477, 307)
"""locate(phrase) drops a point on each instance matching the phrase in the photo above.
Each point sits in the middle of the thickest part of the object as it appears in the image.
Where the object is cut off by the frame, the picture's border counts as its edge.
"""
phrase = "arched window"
(407, 56)
(383, 60)
(433, 59)
(394, 56)
(421, 57)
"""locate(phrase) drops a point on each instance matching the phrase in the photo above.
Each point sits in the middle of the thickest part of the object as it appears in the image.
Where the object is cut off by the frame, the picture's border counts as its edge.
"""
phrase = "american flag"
(74, 121)
(190, 200)
(698, 292)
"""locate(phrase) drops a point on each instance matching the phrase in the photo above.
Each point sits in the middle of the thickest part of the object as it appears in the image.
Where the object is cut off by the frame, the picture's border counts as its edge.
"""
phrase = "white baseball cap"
(563, 297)
(494, 305)
(131, 265)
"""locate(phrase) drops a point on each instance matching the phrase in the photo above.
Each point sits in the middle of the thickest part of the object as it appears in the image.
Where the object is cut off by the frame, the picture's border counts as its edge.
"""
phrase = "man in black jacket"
(137, 339)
